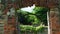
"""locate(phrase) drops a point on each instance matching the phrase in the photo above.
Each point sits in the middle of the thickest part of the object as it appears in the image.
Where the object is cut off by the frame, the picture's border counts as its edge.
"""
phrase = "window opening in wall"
(32, 18)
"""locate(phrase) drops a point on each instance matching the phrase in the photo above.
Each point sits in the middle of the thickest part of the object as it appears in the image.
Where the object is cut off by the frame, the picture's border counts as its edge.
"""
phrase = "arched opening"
(32, 16)
(28, 15)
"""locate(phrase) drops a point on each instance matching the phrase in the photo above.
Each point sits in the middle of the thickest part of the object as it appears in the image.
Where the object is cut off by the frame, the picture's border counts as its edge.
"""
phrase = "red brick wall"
(10, 26)
(11, 23)
(54, 22)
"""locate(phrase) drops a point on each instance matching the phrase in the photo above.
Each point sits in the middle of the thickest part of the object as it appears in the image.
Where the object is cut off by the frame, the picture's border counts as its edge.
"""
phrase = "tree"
(41, 13)
(38, 15)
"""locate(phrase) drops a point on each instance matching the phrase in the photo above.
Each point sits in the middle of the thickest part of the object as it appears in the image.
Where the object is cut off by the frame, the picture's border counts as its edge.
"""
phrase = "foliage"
(26, 28)
(32, 28)
(41, 13)
(38, 15)
(33, 19)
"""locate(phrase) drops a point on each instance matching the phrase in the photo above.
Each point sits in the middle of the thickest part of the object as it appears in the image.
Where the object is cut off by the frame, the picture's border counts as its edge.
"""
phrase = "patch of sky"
(28, 9)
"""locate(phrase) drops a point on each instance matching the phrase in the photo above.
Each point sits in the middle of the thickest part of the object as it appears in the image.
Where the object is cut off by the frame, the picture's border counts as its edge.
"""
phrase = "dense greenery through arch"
(37, 16)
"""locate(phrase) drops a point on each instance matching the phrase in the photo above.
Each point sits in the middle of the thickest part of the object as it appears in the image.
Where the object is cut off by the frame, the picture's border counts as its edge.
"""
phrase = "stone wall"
(2, 23)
